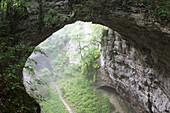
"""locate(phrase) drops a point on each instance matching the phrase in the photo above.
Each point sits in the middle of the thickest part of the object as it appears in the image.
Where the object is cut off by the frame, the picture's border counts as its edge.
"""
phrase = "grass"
(80, 95)
(54, 104)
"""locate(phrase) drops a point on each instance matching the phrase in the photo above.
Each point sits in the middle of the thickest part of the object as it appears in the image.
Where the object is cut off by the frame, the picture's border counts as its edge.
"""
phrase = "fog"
(63, 79)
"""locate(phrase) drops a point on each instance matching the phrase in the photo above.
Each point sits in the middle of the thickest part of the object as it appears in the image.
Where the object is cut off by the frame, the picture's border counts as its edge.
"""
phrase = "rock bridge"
(136, 52)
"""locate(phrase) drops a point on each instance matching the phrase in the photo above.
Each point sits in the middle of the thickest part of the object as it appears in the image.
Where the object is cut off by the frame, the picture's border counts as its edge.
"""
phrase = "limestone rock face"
(136, 64)
(130, 71)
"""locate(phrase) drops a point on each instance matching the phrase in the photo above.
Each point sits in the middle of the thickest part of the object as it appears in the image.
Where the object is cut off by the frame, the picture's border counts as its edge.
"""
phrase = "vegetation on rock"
(74, 76)
(158, 10)
(13, 53)
(80, 95)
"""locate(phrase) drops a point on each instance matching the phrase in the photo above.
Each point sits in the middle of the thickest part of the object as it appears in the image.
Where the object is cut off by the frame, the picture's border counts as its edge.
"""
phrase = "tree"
(88, 50)
(45, 72)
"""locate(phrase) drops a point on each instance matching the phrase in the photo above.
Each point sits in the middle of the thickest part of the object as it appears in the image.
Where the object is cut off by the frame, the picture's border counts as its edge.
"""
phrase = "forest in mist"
(71, 62)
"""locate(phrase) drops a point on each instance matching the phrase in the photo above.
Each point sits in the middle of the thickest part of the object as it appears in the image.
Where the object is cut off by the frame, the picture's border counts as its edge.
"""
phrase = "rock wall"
(143, 51)
(127, 69)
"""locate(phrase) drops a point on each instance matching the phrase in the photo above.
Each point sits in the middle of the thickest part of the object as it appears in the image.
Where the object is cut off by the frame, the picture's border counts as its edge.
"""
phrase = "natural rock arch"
(149, 38)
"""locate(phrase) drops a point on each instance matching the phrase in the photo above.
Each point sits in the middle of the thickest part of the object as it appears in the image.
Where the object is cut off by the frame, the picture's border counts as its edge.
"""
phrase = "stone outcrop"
(137, 64)
(130, 71)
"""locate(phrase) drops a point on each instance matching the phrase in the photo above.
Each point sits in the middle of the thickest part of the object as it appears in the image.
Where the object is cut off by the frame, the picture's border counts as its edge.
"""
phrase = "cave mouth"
(70, 65)
(151, 41)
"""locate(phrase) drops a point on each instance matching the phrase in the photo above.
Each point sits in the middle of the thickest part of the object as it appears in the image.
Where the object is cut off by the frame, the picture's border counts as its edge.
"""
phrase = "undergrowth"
(80, 95)
(53, 104)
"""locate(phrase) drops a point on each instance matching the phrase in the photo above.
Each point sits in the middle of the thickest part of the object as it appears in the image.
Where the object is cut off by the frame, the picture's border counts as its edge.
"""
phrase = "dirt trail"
(115, 102)
(113, 99)
(67, 106)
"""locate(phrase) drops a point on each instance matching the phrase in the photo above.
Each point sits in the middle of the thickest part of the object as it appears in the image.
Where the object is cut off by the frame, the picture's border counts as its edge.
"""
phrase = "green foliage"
(80, 95)
(89, 64)
(12, 62)
(12, 10)
(159, 10)
(53, 16)
(89, 52)
(45, 72)
(59, 54)
(53, 104)
(162, 10)
(76, 88)
(54, 19)
(63, 70)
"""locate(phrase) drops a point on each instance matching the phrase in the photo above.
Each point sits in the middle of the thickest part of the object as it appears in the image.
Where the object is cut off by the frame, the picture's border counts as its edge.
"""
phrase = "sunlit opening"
(64, 78)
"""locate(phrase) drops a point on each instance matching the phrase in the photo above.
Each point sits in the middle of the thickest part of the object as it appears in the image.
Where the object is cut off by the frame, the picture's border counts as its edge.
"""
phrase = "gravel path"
(67, 106)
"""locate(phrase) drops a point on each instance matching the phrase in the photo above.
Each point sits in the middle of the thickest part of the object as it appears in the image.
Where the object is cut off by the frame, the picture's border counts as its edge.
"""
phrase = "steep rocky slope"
(130, 70)
(137, 64)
